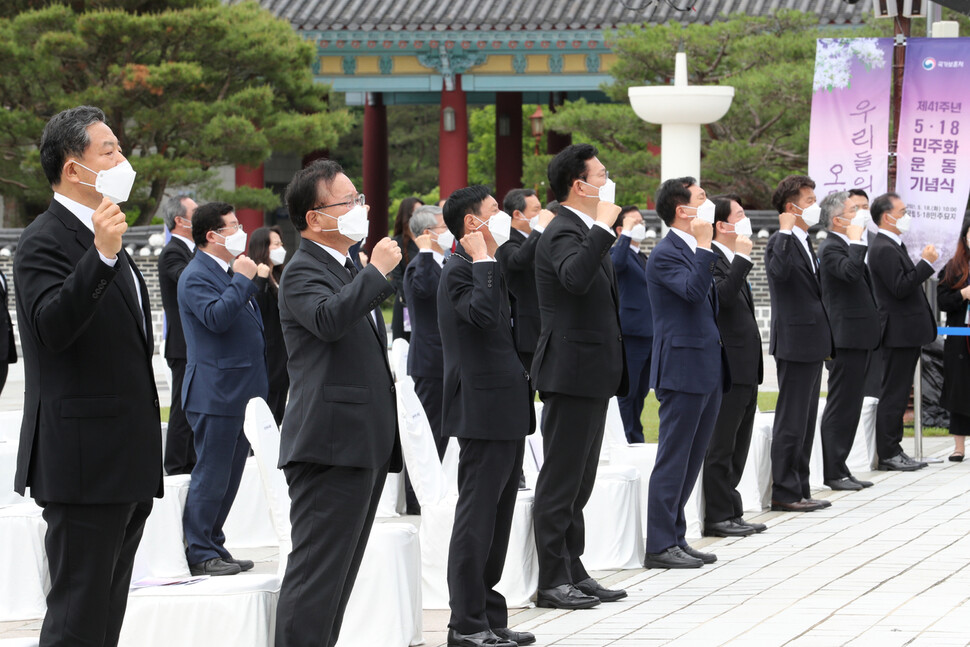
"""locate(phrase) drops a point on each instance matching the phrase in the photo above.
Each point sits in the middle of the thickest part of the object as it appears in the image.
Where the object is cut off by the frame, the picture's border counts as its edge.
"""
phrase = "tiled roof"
(442, 15)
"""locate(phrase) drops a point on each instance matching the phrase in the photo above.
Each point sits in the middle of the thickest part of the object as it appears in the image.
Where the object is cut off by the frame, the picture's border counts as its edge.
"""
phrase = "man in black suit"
(90, 444)
(860, 200)
(727, 452)
(177, 213)
(906, 324)
(517, 260)
(8, 347)
(800, 340)
(636, 320)
(579, 365)
(489, 409)
(421, 278)
(847, 295)
(340, 434)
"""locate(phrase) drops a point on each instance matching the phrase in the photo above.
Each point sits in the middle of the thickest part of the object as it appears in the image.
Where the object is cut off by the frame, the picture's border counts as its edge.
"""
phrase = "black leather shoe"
(707, 558)
(727, 529)
(485, 638)
(897, 464)
(912, 460)
(822, 503)
(796, 506)
(518, 637)
(673, 557)
(215, 566)
(843, 484)
(589, 586)
(243, 564)
(757, 527)
(565, 596)
(864, 484)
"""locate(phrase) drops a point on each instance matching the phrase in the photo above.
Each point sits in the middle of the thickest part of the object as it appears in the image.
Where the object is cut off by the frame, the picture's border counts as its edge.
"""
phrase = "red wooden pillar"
(508, 143)
(376, 178)
(250, 219)
(453, 140)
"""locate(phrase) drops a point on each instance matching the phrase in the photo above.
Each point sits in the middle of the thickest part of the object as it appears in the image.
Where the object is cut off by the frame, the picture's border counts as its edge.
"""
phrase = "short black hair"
(208, 218)
(790, 187)
(461, 202)
(881, 205)
(66, 134)
(627, 209)
(301, 192)
(672, 194)
(515, 200)
(568, 166)
(860, 193)
(722, 206)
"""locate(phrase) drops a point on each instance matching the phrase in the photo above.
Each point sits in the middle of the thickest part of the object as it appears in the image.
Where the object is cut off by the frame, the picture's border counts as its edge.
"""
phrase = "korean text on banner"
(933, 172)
(848, 145)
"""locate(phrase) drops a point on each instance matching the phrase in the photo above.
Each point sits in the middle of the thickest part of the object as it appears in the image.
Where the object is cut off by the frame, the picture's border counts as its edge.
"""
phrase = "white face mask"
(810, 214)
(862, 218)
(445, 240)
(607, 192)
(533, 222)
(903, 223)
(277, 256)
(743, 227)
(705, 211)
(114, 183)
(236, 243)
(352, 224)
(638, 232)
(500, 226)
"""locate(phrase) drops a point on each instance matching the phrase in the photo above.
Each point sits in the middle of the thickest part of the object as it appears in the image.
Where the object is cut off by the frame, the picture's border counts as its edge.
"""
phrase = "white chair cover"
(399, 358)
(614, 537)
(248, 524)
(755, 485)
(862, 457)
(449, 465)
(20, 642)
(10, 427)
(9, 444)
(417, 443)
(24, 574)
(392, 497)
(161, 552)
(816, 467)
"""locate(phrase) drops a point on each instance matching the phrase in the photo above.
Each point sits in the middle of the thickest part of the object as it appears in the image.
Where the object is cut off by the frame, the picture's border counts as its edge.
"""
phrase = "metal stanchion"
(918, 410)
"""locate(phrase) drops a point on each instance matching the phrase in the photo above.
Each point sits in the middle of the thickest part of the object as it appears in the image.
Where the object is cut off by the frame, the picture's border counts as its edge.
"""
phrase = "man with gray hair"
(421, 277)
(851, 307)
(179, 442)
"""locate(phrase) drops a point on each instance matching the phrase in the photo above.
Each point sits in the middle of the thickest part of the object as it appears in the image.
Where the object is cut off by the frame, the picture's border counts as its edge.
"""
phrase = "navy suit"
(636, 323)
(688, 372)
(517, 260)
(225, 369)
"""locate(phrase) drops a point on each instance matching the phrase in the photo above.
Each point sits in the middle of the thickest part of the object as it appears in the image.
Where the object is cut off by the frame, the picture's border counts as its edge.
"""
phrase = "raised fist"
(109, 224)
(386, 255)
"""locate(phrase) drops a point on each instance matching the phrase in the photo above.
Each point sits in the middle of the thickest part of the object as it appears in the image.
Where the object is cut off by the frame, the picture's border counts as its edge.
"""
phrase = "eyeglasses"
(358, 201)
(233, 228)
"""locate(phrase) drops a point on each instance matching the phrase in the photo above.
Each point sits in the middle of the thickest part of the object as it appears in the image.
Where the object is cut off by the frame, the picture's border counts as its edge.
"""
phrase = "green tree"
(187, 86)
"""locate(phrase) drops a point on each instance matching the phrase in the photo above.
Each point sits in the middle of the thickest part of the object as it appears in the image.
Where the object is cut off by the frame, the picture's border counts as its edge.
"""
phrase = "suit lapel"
(338, 270)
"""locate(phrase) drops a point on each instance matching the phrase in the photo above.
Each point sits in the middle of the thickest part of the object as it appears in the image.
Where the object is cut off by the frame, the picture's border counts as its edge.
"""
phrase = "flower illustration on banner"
(834, 58)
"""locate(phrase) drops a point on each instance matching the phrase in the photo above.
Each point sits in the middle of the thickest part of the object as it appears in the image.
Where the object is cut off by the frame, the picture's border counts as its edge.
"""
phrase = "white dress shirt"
(589, 222)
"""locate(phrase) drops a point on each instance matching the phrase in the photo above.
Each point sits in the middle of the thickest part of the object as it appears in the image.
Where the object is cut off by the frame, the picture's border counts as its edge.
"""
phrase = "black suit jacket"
(847, 294)
(631, 279)
(904, 313)
(486, 393)
(421, 293)
(171, 262)
(580, 350)
(267, 298)
(517, 260)
(800, 329)
(8, 346)
(342, 408)
(736, 319)
(91, 431)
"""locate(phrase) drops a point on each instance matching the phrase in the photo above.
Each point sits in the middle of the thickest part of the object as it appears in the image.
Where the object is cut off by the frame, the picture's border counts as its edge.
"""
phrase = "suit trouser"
(91, 551)
(793, 432)
(572, 433)
(179, 444)
(4, 368)
(727, 453)
(222, 450)
(843, 408)
(488, 482)
(277, 404)
(332, 511)
(429, 390)
(899, 367)
(638, 351)
(686, 424)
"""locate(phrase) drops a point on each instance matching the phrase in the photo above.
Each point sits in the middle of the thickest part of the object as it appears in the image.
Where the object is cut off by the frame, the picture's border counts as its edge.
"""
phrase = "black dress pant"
(572, 433)
(429, 390)
(277, 403)
(727, 453)
(488, 481)
(4, 368)
(843, 408)
(179, 442)
(899, 368)
(332, 511)
(638, 351)
(91, 551)
(793, 432)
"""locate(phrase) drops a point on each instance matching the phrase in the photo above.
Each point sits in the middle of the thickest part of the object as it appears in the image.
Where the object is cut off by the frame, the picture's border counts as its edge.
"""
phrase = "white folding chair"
(399, 358)
(24, 574)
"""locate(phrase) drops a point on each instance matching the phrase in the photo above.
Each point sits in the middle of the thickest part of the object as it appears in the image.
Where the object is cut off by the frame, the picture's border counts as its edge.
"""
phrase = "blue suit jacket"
(636, 320)
(226, 354)
(688, 355)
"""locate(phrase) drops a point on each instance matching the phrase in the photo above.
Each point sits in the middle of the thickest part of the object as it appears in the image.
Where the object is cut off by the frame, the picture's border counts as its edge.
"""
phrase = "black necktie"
(811, 253)
(349, 264)
(124, 268)
(229, 272)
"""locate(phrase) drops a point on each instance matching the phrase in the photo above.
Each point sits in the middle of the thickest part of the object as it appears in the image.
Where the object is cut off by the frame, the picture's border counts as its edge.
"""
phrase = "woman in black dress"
(953, 293)
(402, 236)
(266, 246)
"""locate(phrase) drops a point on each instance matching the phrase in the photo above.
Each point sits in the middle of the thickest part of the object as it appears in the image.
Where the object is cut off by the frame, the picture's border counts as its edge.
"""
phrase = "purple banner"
(848, 145)
(933, 169)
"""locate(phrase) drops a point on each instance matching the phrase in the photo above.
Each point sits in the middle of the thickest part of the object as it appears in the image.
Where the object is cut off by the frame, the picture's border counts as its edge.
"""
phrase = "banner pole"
(918, 409)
